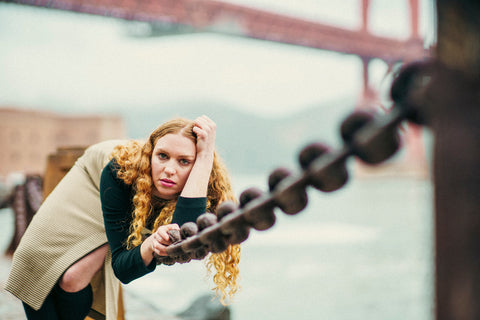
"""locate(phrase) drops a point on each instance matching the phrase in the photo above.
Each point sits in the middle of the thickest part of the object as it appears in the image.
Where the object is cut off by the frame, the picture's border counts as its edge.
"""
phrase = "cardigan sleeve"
(117, 207)
(188, 209)
(116, 199)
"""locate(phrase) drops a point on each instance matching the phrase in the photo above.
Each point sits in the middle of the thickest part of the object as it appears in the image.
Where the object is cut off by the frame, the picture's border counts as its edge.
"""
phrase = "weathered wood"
(58, 165)
(455, 118)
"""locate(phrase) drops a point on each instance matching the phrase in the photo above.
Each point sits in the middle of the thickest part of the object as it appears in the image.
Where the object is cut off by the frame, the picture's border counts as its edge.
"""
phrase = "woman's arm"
(186, 210)
(197, 182)
(116, 200)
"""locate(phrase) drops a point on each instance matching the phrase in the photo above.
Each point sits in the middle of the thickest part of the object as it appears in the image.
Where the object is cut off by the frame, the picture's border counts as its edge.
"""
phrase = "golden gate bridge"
(247, 21)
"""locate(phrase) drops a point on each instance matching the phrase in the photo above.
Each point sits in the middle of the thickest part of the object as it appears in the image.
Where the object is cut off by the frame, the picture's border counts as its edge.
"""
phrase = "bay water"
(362, 252)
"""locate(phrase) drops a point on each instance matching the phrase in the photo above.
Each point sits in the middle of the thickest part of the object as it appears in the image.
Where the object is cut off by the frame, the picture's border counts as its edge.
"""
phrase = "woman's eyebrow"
(162, 150)
(187, 156)
(157, 150)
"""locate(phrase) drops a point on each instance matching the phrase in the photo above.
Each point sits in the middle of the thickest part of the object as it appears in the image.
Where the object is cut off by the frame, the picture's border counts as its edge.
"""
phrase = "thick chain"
(371, 137)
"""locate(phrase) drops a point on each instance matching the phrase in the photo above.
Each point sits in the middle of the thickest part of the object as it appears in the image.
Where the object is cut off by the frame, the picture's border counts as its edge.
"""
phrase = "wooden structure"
(58, 164)
(455, 118)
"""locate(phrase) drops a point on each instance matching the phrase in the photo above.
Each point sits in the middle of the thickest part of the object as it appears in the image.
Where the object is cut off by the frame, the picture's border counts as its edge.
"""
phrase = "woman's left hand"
(205, 129)
(161, 239)
(157, 243)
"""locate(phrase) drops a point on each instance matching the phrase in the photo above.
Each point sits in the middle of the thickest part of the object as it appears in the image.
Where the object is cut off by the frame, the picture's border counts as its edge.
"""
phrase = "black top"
(117, 207)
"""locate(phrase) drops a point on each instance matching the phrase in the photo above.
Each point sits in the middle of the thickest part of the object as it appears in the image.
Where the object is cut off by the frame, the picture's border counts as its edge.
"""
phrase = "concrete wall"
(27, 137)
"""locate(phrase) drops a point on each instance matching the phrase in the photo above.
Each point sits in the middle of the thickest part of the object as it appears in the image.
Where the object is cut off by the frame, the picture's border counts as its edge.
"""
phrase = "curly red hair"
(134, 162)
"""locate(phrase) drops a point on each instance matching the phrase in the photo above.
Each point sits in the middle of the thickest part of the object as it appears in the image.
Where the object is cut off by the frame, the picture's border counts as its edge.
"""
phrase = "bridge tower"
(415, 155)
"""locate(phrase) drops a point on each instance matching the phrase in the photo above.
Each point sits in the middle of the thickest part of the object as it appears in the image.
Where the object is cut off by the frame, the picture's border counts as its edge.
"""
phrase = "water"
(363, 252)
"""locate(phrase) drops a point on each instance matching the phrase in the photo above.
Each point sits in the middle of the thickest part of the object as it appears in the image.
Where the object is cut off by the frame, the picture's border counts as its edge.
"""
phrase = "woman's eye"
(162, 156)
(184, 162)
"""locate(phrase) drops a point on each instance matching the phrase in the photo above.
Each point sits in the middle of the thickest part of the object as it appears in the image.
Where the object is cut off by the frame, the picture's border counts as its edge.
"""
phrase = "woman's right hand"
(197, 182)
(205, 129)
(157, 243)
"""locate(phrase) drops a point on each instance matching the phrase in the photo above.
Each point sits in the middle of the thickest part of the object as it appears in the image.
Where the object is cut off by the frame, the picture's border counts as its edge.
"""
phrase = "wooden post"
(455, 120)
(58, 164)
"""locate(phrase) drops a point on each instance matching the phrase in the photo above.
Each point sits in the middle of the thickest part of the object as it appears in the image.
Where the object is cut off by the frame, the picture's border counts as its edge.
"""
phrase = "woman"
(63, 266)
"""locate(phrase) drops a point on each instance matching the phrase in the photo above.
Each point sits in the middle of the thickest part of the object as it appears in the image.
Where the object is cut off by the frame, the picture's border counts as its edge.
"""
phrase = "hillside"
(250, 143)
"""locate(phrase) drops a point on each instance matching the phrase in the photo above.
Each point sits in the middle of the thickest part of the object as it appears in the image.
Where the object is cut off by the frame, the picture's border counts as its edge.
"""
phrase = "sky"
(64, 61)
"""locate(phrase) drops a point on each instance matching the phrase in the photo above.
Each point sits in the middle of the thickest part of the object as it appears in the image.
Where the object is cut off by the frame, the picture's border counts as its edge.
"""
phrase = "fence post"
(455, 119)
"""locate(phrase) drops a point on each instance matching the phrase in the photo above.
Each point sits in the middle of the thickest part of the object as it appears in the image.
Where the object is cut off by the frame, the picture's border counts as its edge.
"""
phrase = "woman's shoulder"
(111, 169)
(96, 157)
(110, 174)
(105, 147)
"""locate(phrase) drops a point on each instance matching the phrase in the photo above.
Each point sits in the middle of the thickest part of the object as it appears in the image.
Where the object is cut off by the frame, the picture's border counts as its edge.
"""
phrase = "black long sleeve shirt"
(117, 207)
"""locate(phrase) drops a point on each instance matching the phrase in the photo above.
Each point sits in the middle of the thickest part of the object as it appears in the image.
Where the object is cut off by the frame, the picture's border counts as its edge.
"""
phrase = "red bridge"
(228, 18)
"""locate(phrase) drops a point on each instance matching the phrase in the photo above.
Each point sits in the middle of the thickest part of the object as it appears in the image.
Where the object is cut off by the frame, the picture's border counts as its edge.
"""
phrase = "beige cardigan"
(68, 225)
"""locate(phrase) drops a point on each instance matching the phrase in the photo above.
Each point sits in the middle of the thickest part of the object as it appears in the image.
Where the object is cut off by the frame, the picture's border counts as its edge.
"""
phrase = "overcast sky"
(66, 61)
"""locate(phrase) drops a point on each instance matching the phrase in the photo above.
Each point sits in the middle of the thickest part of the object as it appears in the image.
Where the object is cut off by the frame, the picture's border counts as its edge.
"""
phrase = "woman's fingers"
(205, 122)
(204, 126)
(159, 248)
(205, 129)
(161, 239)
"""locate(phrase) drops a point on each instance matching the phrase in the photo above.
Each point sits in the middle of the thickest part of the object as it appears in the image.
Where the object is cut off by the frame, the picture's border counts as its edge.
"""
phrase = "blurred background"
(274, 75)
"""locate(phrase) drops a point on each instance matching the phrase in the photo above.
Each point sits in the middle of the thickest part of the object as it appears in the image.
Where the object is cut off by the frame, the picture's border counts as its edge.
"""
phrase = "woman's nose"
(169, 169)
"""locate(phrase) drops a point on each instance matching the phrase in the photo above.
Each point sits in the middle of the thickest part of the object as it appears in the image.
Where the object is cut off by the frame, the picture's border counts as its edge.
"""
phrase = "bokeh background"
(363, 251)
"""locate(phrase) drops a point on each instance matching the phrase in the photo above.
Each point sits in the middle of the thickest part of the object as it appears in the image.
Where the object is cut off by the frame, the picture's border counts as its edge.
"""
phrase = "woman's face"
(172, 160)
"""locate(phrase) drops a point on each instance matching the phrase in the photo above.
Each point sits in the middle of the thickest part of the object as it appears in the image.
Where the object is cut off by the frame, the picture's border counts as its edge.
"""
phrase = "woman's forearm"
(197, 182)
(146, 251)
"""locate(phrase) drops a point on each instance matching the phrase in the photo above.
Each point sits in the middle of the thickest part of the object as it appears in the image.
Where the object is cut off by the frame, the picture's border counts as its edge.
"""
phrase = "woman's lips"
(167, 183)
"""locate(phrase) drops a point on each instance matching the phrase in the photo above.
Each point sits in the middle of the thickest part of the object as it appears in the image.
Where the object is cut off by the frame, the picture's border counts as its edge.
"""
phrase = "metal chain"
(371, 137)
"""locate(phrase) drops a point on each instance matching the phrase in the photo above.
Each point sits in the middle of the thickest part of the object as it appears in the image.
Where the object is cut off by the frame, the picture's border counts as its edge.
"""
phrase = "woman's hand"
(197, 182)
(205, 129)
(157, 243)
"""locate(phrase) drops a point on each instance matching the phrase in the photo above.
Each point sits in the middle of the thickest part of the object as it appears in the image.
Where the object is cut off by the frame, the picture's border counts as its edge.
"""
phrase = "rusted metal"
(24, 201)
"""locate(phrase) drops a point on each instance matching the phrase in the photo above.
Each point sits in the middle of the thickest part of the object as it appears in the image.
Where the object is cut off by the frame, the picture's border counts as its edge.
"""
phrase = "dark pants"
(62, 305)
